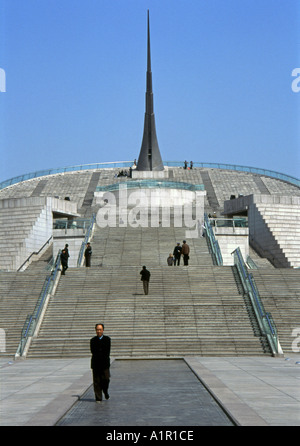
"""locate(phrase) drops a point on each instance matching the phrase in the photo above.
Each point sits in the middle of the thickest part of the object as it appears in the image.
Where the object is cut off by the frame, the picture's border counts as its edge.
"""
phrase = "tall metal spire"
(149, 158)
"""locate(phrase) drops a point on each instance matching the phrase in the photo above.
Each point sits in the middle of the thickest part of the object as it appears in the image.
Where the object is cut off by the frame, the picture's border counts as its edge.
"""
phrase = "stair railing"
(264, 319)
(33, 321)
(251, 264)
(212, 242)
(86, 239)
(35, 253)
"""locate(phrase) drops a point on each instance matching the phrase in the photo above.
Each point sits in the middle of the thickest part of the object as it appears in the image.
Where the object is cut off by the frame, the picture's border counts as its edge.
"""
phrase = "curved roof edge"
(119, 164)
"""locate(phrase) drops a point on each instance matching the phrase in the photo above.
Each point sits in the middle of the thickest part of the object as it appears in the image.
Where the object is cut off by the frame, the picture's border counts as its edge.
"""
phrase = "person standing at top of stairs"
(64, 257)
(145, 279)
(177, 254)
(88, 254)
(185, 252)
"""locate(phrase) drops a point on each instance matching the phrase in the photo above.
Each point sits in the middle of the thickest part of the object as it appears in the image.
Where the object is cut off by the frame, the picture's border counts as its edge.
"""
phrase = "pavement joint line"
(56, 409)
(239, 412)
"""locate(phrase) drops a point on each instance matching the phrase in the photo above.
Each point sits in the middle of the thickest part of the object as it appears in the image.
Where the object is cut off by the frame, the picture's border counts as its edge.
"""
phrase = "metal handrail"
(33, 319)
(151, 183)
(213, 242)
(233, 223)
(264, 319)
(117, 164)
(86, 239)
(35, 253)
(251, 264)
(76, 223)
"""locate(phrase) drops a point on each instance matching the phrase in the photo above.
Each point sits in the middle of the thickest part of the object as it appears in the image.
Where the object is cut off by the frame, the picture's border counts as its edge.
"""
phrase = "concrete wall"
(274, 226)
(74, 238)
(26, 225)
(229, 239)
(149, 174)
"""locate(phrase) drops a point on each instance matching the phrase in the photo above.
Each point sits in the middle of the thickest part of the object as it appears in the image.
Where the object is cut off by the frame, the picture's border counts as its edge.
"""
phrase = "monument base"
(150, 174)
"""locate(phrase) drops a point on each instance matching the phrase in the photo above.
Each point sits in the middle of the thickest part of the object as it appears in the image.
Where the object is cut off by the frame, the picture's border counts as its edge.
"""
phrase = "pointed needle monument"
(149, 158)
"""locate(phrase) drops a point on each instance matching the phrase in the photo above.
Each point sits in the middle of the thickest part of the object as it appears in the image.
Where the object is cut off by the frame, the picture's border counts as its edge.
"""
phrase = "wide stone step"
(187, 307)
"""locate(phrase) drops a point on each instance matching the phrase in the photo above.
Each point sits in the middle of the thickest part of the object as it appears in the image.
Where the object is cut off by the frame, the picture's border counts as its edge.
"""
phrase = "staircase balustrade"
(33, 320)
(118, 164)
(212, 242)
(264, 319)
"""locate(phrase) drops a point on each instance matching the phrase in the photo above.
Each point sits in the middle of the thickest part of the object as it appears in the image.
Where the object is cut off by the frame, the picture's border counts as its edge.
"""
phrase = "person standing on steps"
(88, 254)
(170, 260)
(177, 254)
(100, 362)
(185, 252)
(64, 257)
(145, 277)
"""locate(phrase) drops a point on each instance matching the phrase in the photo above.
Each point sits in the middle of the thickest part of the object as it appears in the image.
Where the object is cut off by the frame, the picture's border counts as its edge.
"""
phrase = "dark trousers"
(100, 382)
(146, 286)
(88, 261)
(186, 259)
(177, 258)
(64, 268)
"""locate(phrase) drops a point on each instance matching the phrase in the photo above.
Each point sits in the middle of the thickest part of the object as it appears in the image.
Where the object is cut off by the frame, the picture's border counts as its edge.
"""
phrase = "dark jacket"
(88, 251)
(145, 275)
(64, 256)
(177, 251)
(100, 349)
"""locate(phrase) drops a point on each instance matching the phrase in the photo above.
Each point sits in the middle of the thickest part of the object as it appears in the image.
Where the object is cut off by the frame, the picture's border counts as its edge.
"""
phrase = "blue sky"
(76, 79)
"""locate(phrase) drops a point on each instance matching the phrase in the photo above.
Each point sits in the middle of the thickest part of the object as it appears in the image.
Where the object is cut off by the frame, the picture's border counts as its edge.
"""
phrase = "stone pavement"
(255, 391)
(149, 393)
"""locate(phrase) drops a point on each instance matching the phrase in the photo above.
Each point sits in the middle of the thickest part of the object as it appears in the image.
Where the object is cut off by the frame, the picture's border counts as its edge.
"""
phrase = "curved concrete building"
(239, 295)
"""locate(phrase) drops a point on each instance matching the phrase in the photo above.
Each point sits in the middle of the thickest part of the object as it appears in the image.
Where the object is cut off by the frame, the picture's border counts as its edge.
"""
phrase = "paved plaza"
(254, 391)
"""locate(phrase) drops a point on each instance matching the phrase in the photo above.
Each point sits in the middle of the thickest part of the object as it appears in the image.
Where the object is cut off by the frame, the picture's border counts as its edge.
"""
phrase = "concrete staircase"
(194, 310)
(19, 292)
(26, 227)
(144, 246)
(189, 311)
(280, 293)
(14, 242)
(282, 222)
(18, 296)
(259, 261)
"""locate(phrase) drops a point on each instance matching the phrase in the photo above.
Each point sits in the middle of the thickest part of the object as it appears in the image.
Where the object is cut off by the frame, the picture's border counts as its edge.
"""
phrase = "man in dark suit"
(88, 254)
(64, 257)
(100, 362)
(145, 277)
(177, 254)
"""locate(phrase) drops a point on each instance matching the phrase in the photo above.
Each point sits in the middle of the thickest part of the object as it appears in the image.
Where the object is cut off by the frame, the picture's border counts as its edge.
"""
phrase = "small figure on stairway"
(64, 259)
(145, 277)
(88, 254)
(170, 260)
(185, 252)
(177, 254)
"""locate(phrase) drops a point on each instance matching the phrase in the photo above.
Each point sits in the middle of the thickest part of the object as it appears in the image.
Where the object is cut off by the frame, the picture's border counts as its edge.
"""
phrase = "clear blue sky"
(76, 80)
